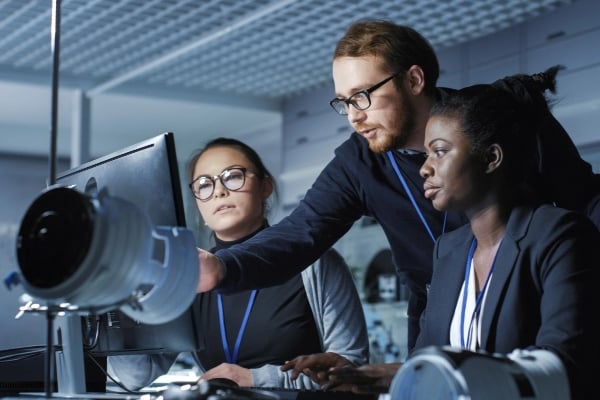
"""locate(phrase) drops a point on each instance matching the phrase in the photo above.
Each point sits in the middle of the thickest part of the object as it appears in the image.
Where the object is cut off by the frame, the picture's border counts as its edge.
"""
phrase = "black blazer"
(543, 291)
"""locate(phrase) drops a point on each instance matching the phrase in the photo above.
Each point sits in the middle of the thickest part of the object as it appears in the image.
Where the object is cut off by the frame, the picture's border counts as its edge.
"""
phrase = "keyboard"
(214, 390)
(313, 394)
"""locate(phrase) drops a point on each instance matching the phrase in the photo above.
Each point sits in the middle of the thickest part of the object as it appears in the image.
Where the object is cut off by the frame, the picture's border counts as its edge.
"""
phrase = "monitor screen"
(147, 175)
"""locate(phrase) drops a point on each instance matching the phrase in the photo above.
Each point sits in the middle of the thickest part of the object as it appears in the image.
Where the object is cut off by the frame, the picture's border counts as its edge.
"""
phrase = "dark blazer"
(543, 292)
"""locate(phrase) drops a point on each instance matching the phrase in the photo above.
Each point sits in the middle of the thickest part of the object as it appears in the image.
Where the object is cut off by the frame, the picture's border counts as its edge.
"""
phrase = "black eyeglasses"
(360, 100)
(232, 178)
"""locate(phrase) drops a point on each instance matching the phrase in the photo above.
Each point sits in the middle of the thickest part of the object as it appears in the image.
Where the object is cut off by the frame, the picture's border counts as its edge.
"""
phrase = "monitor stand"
(70, 371)
(70, 365)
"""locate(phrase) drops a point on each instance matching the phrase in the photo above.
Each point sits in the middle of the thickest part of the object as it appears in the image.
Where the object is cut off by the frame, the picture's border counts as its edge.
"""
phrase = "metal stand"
(48, 364)
(69, 361)
(65, 322)
(70, 368)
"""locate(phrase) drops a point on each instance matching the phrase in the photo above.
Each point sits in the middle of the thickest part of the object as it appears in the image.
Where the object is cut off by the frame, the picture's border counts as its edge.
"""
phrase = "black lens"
(55, 236)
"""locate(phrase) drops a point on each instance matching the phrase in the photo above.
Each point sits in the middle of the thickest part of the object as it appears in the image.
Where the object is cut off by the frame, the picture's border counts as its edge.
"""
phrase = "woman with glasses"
(248, 335)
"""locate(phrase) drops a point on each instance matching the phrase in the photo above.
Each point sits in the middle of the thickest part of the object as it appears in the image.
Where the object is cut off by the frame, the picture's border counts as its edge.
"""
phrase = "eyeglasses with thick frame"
(360, 100)
(232, 178)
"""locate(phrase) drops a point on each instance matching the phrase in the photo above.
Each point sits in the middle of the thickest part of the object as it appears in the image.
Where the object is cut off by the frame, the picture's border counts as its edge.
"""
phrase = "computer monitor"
(147, 175)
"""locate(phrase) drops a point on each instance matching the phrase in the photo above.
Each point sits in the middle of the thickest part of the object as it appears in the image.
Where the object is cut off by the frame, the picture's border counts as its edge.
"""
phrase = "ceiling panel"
(199, 68)
(252, 48)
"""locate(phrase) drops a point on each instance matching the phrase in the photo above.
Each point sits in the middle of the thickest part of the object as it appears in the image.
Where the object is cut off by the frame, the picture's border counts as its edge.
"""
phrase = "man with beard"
(385, 84)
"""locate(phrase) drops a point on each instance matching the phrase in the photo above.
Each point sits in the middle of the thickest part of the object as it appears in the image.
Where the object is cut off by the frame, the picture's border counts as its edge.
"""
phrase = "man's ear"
(415, 79)
(494, 157)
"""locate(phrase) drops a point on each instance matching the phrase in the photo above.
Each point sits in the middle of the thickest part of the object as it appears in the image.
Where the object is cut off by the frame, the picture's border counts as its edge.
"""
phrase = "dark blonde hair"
(399, 46)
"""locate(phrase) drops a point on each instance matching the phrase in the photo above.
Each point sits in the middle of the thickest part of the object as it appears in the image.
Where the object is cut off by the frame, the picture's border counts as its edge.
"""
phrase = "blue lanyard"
(412, 198)
(478, 299)
(232, 359)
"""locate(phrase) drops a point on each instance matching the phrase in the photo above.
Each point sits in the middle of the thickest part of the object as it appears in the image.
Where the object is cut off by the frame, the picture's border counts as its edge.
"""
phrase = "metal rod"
(48, 361)
(55, 47)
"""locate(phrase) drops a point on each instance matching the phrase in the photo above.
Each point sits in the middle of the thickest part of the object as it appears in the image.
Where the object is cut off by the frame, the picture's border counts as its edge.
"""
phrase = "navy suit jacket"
(541, 295)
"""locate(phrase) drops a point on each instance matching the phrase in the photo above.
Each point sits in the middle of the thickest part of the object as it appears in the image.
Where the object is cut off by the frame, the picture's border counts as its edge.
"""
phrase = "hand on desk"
(316, 366)
(369, 378)
(239, 375)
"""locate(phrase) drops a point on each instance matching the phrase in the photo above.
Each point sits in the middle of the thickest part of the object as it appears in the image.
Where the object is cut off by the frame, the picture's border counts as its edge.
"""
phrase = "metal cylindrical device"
(98, 251)
(446, 373)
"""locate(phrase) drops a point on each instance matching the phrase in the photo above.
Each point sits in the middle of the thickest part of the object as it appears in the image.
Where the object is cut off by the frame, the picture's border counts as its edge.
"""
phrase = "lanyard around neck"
(390, 155)
(232, 358)
(479, 299)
